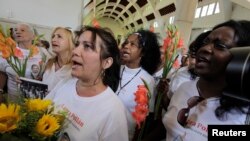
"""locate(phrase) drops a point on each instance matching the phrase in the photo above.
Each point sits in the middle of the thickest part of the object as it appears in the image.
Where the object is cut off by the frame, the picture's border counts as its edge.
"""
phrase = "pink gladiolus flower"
(141, 108)
(18, 53)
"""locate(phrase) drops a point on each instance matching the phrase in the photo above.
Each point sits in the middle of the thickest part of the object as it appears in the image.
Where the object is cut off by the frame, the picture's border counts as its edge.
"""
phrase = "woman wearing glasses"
(59, 67)
(200, 103)
(141, 54)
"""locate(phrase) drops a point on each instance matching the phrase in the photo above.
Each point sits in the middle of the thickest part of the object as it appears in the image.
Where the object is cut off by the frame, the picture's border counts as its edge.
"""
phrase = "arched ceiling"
(128, 13)
(134, 14)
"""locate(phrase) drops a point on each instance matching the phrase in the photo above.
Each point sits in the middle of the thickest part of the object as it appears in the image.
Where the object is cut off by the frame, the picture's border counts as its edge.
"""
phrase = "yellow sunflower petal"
(9, 117)
(47, 125)
(38, 104)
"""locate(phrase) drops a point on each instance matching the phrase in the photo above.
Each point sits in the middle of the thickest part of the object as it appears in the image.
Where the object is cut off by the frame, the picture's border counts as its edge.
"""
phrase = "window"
(207, 10)
(217, 8)
(197, 12)
(204, 11)
(171, 20)
(210, 9)
(155, 24)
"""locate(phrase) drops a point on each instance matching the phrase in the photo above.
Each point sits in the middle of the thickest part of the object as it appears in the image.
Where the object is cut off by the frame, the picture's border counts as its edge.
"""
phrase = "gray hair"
(30, 28)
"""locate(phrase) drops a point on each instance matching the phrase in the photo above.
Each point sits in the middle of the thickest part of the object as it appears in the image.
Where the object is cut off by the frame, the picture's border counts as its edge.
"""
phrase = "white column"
(185, 11)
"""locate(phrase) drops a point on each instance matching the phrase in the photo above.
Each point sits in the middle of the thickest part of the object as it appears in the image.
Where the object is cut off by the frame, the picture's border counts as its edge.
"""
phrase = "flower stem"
(158, 104)
(141, 131)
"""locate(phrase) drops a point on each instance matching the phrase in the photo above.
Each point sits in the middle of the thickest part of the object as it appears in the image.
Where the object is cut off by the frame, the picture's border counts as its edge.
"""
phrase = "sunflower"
(37, 104)
(47, 125)
(9, 117)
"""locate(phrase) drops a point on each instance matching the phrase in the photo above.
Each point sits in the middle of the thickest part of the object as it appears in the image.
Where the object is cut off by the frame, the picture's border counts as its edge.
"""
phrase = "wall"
(42, 14)
(39, 28)
(114, 26)
(200, 24)
(46, 14)
(240, 13)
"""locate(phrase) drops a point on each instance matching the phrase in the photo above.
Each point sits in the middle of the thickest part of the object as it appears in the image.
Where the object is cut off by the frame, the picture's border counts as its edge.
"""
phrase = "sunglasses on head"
(184, 113)
(141, 42)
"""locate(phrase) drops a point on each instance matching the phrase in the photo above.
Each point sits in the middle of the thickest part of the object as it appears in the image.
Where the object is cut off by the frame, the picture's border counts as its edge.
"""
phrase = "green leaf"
(146, 84)
(37, 38)
(8, 31)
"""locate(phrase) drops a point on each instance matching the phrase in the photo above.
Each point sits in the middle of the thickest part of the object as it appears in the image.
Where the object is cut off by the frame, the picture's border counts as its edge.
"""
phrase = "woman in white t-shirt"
(95, 113)
(59, 67)
(141, 55)
(197, 104)
(24, 35)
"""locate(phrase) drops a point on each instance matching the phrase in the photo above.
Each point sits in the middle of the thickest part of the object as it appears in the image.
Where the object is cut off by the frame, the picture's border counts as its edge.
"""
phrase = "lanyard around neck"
(123, 86)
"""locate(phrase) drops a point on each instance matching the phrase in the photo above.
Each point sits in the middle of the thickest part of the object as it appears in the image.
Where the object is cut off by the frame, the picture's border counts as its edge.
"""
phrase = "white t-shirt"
(98, 118)
(126, 94)
(199, 117)
(157, 76)
(5, 67)
(52, 77)
(181, 75)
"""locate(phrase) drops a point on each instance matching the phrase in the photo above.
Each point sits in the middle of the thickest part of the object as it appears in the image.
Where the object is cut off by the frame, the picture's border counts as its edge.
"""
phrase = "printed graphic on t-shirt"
(73, 118)
(197, 127)
(35, 70)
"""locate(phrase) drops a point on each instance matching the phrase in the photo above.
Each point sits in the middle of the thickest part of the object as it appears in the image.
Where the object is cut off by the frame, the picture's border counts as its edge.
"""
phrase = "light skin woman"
(24, 36)
(89, 95)
(59, 67)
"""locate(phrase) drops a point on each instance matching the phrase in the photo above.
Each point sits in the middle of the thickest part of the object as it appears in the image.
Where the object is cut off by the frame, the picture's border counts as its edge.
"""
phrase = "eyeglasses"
(216, 43)
(184, 113)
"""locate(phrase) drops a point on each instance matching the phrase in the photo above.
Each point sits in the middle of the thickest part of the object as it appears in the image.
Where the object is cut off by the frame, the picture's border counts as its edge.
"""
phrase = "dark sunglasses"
(184, 113)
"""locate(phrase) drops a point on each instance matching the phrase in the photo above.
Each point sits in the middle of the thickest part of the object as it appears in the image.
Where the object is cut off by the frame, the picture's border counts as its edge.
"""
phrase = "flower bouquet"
(13, 55)
(34, 120)
(171, 44)
(142, 97)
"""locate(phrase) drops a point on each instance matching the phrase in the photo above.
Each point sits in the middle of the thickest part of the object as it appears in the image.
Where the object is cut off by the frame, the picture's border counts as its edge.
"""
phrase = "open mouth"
(124, 54)
(75, 63)
(201, 61)
(55, 45)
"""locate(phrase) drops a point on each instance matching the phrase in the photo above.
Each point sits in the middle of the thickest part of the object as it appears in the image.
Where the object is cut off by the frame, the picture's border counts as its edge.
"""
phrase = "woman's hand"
(163, 87)
(18, 81)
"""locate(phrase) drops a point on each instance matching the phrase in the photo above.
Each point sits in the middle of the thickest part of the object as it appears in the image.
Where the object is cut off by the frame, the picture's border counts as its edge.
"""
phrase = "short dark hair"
(198, 42)
(45, 43)
(241, 31)
(241, 38)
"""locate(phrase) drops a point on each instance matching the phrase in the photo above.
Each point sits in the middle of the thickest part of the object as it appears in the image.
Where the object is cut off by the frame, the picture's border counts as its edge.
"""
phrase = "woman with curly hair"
(141, 54)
